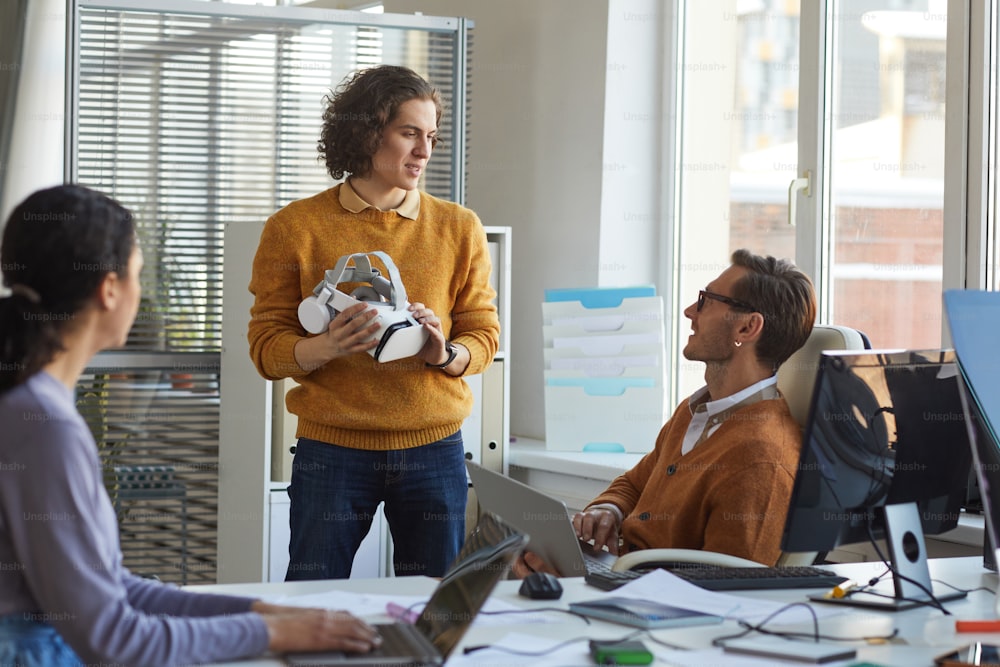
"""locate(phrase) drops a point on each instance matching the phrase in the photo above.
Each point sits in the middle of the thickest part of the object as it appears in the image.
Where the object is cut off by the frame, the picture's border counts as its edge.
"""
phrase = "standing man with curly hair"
(371, 432)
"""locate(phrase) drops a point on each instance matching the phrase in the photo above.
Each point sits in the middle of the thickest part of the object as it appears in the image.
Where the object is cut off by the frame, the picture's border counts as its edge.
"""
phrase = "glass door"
(871, 150)
(738, 145)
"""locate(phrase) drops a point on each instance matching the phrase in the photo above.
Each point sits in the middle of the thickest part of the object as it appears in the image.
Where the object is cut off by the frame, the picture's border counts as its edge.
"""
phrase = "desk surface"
(911, 648)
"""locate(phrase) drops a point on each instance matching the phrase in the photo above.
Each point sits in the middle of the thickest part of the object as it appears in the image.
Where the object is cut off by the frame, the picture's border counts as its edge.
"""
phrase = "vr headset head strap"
(363, 271)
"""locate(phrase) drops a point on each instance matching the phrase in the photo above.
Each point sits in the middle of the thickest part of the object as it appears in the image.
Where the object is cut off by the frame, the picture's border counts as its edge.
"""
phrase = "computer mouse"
(541, 586)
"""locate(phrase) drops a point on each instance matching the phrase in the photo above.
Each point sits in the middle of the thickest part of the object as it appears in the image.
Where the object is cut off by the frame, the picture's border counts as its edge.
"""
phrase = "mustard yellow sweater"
(729, 494)
(356, 401)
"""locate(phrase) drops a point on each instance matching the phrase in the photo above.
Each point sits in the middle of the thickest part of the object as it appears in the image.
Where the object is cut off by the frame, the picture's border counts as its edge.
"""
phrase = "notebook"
(544, 518)
(641, 613)
(488, 552)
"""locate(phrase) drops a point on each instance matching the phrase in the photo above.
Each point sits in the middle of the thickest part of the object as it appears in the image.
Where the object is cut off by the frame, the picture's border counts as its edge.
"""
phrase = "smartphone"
(982, 655)
(629, 652)
(778, 647)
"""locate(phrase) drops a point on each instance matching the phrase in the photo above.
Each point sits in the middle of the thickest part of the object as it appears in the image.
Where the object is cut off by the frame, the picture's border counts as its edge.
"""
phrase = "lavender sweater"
(60, 559)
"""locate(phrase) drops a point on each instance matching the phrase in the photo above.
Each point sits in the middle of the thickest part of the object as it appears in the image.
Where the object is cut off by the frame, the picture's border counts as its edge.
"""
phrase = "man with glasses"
(721, 473)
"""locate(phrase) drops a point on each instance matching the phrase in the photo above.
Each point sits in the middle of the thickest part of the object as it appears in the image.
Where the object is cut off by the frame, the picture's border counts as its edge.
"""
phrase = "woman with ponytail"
(71, 264)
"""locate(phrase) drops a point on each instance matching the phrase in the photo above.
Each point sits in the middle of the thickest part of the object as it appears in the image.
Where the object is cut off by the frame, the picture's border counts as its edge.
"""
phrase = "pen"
(401, 613)
(842, 589)
(977, 626)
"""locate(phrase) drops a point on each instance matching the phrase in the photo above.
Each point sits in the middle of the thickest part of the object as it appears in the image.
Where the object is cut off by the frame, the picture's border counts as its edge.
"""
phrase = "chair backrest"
(796, 381)
(797, 376)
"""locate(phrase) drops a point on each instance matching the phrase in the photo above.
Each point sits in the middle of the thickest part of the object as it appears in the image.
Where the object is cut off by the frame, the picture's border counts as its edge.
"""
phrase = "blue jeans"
(27, 642)
(336, 490)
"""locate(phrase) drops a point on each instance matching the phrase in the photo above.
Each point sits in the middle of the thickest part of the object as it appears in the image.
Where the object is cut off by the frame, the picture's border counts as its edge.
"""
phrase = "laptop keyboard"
(728, 578)
(396, 639)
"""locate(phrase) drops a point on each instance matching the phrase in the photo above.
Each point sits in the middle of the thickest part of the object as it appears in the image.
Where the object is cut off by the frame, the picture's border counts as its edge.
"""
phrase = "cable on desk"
(964, 590)
(749, 627)
(866, 589)
(932, 602)
(875, 580)
(631, 635)
(676, 647)
(472, 649)
(815, 635)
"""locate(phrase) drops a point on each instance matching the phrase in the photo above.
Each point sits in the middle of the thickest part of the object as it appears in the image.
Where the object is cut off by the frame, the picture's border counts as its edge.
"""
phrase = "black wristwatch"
(452, 353)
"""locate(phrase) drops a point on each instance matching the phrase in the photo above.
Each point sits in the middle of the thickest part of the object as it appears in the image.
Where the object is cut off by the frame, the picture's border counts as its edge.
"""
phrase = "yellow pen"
(842, 589)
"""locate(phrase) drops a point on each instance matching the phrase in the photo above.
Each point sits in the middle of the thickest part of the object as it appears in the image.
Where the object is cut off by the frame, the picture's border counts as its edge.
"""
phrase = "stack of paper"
(604, 369)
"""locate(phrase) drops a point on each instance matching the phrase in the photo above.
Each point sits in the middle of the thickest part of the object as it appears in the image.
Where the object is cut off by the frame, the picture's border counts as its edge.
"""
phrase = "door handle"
(797, 185)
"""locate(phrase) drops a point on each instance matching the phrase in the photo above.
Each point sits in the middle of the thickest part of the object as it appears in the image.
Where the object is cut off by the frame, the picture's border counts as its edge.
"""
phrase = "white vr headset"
(399, 335)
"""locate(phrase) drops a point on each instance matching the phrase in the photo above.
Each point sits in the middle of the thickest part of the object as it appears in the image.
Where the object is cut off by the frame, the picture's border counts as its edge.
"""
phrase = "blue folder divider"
(620, 412)
(599, 297)
(602, 386)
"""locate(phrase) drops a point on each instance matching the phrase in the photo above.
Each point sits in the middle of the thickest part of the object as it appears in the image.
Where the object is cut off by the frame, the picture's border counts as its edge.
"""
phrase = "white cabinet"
(374, 557)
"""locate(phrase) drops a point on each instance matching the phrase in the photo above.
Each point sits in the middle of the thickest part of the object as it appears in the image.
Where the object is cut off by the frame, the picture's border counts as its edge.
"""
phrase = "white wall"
(564, 150)
(634, 123)
(36, 151)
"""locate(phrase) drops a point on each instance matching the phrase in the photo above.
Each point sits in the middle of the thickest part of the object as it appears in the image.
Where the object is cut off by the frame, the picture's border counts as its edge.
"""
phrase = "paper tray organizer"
(604, 369)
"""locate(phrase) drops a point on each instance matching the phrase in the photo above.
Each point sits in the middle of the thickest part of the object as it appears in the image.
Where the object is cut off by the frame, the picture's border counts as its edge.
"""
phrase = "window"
(850, 94)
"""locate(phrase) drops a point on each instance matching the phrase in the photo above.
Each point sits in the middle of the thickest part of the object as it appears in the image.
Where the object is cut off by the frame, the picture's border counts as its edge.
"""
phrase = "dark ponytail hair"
(58, 245)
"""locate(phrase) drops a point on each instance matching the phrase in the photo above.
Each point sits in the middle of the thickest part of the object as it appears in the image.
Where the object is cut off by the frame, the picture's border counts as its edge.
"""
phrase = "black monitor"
(885, 453)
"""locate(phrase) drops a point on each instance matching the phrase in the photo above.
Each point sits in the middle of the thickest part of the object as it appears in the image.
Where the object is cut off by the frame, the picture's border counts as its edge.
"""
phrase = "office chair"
(796, 380)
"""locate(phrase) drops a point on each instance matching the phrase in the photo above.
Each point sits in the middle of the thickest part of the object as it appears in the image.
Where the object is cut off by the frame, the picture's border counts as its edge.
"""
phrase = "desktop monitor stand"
(907, 555)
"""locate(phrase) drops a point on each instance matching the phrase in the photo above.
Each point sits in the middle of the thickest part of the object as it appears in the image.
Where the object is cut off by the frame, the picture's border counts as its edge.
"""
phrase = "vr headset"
(399, 334)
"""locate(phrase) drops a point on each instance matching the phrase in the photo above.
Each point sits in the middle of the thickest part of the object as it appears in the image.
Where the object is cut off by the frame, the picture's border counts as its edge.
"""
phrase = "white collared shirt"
(706, 416)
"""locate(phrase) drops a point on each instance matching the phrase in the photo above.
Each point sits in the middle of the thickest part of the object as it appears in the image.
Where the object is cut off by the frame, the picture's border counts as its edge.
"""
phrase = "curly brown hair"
(784, 296)
(358, 111)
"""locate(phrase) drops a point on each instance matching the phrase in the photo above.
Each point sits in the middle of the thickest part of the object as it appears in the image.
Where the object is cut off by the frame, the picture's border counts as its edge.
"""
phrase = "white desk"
(912, 647)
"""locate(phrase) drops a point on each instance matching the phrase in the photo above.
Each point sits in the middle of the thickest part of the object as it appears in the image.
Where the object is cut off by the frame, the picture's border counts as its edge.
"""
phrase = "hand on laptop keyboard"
(302, 629)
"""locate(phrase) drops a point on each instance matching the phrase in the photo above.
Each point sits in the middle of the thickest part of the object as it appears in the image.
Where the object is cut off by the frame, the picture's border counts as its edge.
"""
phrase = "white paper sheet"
(571, 655)
(665, 587)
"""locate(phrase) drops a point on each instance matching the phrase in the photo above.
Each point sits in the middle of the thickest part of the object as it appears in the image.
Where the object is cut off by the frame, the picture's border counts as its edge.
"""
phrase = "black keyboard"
(730, 578)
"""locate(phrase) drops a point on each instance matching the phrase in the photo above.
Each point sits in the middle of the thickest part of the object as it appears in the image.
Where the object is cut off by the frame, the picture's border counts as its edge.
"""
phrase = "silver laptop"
(489, 551)
(545, 519)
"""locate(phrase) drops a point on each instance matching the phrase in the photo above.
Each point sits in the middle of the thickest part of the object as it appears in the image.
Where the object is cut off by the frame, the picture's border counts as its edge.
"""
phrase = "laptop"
(489, 551)
(544, 518)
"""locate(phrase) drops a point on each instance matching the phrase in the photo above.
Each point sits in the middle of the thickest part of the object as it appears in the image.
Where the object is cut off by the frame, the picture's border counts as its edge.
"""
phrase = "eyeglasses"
(703, 295)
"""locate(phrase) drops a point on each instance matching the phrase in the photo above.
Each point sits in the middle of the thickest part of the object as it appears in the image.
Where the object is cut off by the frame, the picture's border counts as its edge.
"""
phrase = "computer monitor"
(986, 463)
(885, 453)
(973, 319)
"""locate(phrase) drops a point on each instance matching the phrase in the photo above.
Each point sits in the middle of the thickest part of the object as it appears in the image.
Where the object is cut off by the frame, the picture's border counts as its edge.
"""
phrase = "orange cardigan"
(355, 401)
(730, 494)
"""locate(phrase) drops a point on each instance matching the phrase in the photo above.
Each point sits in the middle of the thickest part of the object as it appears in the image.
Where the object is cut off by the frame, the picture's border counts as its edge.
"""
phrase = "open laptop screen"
(488, 553)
